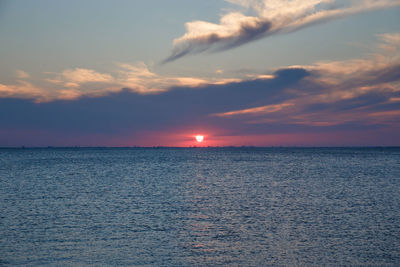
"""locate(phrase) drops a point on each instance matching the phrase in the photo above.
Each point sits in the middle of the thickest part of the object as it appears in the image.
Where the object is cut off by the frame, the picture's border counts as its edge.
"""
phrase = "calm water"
(185, 207)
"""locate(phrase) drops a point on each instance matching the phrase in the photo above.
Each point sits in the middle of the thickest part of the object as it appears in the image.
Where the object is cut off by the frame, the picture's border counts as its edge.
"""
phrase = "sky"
(238, 72)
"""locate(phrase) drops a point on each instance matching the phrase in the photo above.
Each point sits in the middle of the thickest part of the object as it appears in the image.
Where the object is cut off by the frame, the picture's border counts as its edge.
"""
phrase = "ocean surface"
(200, 207)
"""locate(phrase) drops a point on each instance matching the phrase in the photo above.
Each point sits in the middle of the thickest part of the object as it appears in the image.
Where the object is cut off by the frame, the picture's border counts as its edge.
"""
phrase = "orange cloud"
(80, 75)
(78, 82)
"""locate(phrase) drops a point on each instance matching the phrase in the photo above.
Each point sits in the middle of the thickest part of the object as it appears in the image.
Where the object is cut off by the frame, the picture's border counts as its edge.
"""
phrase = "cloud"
(258, 110)
(349, 77)
(21, 89)
(79, 75)
(141, 79)
(272, 17)
(79, 82)
(128, 113)
(359, 97)
(291, 104)
(357, 91)
(22, 74)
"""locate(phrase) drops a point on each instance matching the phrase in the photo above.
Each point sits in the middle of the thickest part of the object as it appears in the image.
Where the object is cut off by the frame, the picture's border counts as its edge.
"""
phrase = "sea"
(239, 206)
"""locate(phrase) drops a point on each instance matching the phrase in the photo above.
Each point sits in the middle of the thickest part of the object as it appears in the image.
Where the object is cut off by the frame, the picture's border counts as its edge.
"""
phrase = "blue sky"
(63, 53)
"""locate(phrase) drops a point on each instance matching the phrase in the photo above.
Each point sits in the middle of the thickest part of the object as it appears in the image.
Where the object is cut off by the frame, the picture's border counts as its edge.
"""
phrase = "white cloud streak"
(272, 16)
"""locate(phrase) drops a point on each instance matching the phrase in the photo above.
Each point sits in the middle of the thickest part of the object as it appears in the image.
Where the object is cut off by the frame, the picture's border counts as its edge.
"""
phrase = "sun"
(199, 138)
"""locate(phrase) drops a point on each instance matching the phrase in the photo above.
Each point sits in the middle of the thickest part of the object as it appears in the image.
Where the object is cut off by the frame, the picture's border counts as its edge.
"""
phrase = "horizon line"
(158, 147)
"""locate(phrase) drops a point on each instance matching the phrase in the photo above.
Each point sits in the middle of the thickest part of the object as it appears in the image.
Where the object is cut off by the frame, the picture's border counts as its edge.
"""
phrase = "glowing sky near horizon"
(242, 72)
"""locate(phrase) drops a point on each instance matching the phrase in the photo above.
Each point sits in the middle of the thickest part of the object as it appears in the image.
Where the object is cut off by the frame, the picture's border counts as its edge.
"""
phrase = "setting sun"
(199, 138)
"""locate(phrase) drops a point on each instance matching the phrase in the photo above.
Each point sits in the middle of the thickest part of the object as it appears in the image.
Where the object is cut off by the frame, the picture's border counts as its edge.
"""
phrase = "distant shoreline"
(195, 147)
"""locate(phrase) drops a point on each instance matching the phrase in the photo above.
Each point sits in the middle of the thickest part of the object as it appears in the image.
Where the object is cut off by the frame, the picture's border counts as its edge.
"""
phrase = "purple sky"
(237, 72)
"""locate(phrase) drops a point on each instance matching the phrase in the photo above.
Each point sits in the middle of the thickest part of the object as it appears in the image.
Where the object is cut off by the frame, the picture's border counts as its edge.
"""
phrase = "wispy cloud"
(141, 79)
(258, 110)
(74, 83)
(338, 92)
(79, 75)
(22, 74)
(21, 89)
(236, 28)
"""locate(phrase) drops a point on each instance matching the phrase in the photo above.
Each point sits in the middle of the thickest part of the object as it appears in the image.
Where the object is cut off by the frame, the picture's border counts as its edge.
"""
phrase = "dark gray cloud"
(23, 122)
(132, 111)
